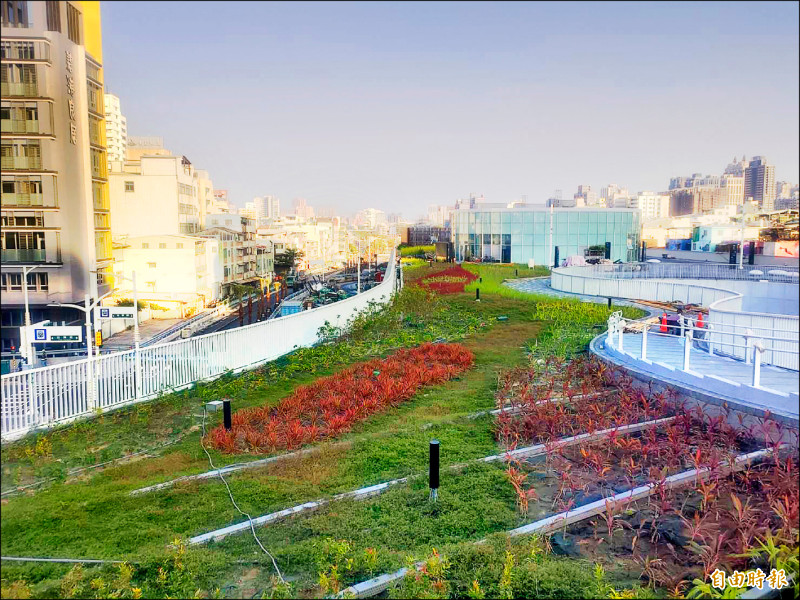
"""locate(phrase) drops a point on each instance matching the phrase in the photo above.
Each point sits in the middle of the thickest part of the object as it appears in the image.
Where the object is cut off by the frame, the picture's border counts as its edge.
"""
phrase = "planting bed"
(449, 281)
(742, 520)
(331, 405)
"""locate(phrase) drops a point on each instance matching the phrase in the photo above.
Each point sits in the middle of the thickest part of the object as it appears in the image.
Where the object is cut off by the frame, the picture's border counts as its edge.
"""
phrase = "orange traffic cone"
(700, 321)
(663, 327)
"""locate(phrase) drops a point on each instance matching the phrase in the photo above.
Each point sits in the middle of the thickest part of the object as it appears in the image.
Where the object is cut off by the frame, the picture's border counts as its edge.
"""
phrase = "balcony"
(19, 50)
(21, 163)
(21, 90)
(12, 126)
(25, 200)
(24, 256)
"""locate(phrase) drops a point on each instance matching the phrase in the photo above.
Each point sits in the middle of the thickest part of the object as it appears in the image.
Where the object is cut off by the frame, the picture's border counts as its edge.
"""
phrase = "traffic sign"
(45, 334)
(114, 312)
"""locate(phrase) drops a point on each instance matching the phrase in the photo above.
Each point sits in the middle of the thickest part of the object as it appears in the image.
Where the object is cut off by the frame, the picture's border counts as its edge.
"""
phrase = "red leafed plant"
(332, 405)
(449, 281)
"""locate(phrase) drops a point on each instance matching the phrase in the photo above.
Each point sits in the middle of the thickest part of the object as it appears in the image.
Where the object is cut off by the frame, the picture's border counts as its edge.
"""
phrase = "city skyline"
(401, 106)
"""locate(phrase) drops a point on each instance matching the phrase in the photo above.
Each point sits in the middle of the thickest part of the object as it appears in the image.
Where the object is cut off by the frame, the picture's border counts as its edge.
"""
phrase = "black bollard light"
(608, 250)
(480, 279)
(516, 272)
(226, 414)
(751, 258)
(433, 470)
(555, 258)
(609, 303)
(477, 294)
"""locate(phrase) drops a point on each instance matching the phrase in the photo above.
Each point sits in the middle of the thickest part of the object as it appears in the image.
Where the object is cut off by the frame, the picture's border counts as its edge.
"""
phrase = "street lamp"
(89, 353)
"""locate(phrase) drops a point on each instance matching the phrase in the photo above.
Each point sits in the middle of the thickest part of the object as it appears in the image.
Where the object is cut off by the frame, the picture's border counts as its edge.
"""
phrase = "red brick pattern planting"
(331, 405)
(449, 281)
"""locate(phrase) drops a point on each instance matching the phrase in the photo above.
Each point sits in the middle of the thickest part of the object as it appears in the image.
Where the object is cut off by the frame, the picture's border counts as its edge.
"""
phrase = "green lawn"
(92, 515)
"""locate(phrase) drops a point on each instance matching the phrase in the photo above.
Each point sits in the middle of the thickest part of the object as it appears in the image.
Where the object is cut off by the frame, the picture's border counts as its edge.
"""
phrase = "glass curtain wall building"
(516, 235)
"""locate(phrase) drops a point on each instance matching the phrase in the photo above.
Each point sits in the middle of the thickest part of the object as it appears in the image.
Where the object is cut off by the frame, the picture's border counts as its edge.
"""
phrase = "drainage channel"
(374, 490)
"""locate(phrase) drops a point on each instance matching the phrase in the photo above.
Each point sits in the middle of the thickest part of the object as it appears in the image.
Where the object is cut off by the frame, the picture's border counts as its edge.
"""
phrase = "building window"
(11, 282)
(162, 246)
(178, 246)
(53, 16)
(128, 186)
(145, 245)
(15, 14)
(37, 282)
(151, 265)
(73, 24)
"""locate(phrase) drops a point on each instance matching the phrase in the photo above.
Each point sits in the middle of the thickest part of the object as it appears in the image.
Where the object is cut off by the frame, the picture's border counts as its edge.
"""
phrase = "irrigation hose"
(236, 506)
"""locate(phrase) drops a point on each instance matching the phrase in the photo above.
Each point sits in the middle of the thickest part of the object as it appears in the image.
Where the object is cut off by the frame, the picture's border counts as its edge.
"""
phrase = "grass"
(419, 251)
(91, 515)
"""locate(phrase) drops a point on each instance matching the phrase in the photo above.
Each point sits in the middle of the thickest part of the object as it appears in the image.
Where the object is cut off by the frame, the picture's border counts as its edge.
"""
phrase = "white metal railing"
(777, 273)
(711, 338)
(50, 395)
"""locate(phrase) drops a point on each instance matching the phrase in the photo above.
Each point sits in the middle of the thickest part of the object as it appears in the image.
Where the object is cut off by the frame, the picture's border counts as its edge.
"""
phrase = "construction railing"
(60, 393)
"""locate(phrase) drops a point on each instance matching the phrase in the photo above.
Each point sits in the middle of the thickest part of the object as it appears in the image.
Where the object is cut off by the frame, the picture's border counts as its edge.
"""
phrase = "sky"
(401, 105)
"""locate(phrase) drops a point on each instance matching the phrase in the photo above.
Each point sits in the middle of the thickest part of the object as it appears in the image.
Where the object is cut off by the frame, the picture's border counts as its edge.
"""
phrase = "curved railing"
(722, 288)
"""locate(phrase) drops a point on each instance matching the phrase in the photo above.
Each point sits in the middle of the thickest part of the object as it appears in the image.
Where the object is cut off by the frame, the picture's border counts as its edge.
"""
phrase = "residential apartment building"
(585, 196)
(182, 270)
(238, 254)
(116, 129)
(652, 205)
(759, 182)
(154, 195)
(55, 206)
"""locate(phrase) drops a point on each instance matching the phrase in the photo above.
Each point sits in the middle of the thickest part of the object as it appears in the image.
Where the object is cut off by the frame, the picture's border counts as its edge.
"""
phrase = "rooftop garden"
(487, 379)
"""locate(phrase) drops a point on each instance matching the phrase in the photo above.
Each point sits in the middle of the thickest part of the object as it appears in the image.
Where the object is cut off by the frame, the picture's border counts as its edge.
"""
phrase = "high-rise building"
(783, 189)
(651, 205)
(737, 167)
(301, 209)
(585, 196)
(273, 207)
(55, 206)
(733, 186)
(116, 129)
(759, 182)
(613, 196)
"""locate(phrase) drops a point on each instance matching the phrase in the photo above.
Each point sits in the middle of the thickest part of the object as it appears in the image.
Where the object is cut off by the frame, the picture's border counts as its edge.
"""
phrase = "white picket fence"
(57, 394)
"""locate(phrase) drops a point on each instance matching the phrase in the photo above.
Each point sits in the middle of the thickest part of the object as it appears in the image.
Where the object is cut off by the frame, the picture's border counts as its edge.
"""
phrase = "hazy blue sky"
(401, 105)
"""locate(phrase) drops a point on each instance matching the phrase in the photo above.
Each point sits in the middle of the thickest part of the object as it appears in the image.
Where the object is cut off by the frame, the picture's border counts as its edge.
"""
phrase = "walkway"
(669, 350)
(541, 285)
(714, 379)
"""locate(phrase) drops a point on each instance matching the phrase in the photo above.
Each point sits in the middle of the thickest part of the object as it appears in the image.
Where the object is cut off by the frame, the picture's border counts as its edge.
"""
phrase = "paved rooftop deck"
(669, 350)
(720, 377)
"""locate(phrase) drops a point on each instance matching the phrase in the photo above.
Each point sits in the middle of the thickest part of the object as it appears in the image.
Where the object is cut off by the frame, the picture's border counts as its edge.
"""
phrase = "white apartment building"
(652, 205)
(179, 269)
(154, 195)
(116, 129)
(733, 186)
(55, 208)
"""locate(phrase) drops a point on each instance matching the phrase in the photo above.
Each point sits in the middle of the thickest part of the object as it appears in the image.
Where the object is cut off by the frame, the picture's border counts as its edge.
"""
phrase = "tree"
(288, 260)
